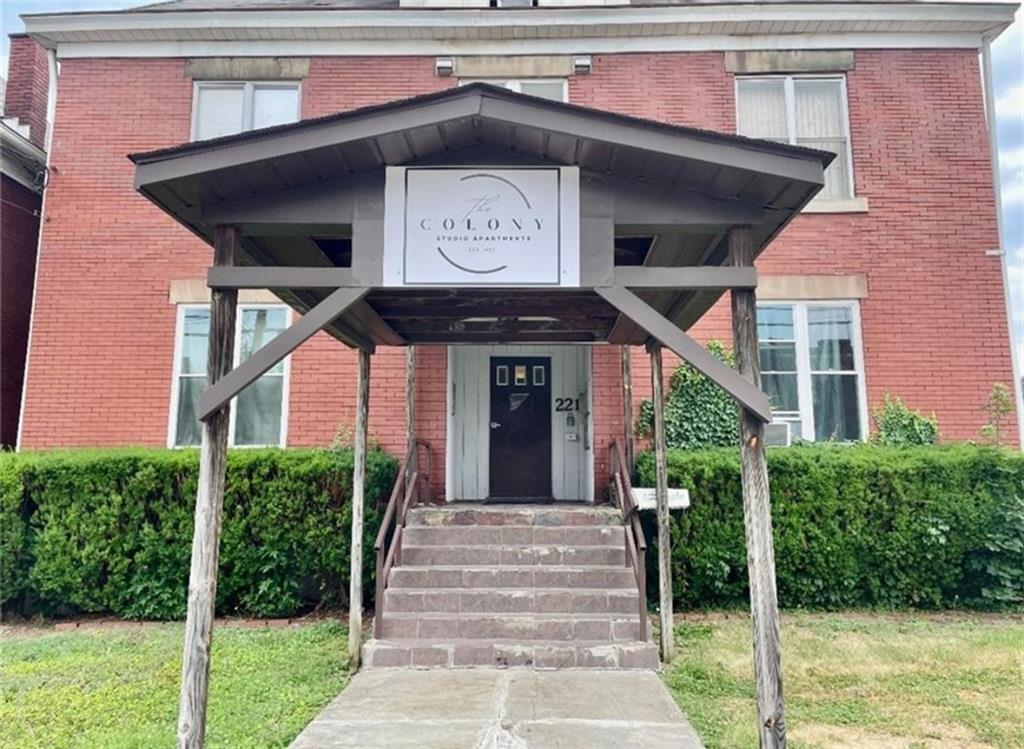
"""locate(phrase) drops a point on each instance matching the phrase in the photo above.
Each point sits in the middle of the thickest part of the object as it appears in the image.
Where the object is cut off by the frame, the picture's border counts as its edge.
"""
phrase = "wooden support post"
(202, 581)
(664, 520)
(355, 595)
(757, 516)
(627, 405)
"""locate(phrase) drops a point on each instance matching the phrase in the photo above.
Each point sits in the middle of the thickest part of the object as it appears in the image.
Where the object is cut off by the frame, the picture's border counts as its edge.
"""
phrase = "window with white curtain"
(226, 108)
(555, 89)
(812, 368)
(801, 110)
(258, 413)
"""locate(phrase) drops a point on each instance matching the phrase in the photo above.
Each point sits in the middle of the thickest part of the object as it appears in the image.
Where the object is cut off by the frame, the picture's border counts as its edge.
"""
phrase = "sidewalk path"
(501, 709)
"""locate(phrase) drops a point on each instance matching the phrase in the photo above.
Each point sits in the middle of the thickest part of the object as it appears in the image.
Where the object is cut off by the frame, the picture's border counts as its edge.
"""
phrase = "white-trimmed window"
(812, 368)
(259, 413)
(805, 111)
(555, 89)
(229, 107)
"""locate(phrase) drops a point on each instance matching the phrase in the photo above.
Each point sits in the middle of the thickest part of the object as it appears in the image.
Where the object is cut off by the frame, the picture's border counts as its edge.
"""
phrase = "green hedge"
(857, 526)
(111, 531)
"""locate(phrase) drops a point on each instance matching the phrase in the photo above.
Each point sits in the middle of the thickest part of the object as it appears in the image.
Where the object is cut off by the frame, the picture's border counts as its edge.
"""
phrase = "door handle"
(495, 425)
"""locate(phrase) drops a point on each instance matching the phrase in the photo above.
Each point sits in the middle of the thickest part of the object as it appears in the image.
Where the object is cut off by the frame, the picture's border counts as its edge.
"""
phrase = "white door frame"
(586, 428)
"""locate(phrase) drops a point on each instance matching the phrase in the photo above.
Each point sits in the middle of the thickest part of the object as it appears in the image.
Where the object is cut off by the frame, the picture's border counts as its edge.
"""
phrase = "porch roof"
(671, 194)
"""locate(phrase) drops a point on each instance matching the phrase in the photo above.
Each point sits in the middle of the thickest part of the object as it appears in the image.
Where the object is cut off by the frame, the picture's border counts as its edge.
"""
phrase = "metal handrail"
(636, 543)
(405, 493)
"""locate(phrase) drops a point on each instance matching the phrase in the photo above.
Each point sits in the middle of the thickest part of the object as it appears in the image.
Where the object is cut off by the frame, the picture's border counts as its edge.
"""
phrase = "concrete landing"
(501, 709)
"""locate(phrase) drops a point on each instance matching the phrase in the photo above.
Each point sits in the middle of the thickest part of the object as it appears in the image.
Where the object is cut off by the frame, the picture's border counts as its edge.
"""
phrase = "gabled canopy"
(669, 192)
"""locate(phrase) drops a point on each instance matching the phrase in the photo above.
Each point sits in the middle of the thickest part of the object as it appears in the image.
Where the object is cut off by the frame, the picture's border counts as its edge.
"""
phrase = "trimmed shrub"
(111, 531)
(897, 425)
(856, 526)
(698, 413)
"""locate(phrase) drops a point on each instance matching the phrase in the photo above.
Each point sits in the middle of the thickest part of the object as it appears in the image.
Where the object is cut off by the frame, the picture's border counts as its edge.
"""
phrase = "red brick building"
(890, 281)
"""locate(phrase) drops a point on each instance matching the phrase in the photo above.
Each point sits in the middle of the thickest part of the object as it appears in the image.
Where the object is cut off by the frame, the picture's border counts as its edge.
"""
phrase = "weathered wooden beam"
(627, 406)
(661, 502)
(202, 581)
(757, 514)
(696, 277)
(355, 589)
(277, 349)
(746, 393)
(280, 277)
(410, 399)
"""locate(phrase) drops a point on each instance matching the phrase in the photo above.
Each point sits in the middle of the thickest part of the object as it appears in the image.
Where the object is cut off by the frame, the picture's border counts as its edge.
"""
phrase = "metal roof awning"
(671, 193)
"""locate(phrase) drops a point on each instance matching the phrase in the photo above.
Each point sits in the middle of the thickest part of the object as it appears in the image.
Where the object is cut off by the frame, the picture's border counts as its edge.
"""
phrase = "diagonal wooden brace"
(636, 309)
(274, 351)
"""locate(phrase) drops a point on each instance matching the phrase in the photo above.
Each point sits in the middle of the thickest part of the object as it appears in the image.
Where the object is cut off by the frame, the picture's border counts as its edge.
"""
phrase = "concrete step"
(487, 627)
(534, 576)
(512, 600)
(455, 653)
(456, 513)
(517, 535)
(517, 556)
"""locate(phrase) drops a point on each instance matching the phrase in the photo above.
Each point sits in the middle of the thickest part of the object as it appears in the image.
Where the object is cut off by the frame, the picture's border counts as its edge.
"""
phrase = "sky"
(1008, 79)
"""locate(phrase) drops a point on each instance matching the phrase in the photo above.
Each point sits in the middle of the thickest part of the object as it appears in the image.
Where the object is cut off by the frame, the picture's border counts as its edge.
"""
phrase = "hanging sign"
(481, 226)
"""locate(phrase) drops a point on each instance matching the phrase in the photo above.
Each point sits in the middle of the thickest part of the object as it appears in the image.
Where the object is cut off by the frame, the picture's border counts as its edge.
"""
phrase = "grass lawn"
(860, 681)
(113, 688)
(855, 681)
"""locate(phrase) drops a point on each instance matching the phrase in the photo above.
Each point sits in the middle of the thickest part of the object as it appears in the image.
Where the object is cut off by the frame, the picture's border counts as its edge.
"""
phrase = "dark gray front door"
(520, 426)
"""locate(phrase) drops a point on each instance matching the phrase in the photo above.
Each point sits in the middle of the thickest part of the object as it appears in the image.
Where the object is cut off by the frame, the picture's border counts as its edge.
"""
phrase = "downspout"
(51, 112)
(993, 141)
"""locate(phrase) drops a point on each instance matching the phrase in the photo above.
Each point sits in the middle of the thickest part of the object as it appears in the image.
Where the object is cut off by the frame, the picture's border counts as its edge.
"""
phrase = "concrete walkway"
(501, 709)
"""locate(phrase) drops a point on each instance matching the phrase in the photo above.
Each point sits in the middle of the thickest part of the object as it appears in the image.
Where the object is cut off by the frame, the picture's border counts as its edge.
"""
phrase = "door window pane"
(830, 338)
(219, 110)
(836, 414)
(274, 105)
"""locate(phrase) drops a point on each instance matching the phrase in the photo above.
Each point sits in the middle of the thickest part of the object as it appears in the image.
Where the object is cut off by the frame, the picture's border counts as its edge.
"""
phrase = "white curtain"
(761, 108)
(820, 124)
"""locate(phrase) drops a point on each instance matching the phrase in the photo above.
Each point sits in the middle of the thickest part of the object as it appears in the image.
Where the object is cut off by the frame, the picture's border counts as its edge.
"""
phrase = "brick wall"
(934, 324)
(19, 230)
(27, 86)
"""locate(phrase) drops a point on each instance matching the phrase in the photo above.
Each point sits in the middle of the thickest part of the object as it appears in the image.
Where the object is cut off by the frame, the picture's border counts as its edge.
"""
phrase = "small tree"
(998, 407)
(698, 413)
(898, 425)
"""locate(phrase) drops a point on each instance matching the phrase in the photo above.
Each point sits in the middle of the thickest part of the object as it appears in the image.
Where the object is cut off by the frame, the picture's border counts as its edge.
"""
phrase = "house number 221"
(567, 404)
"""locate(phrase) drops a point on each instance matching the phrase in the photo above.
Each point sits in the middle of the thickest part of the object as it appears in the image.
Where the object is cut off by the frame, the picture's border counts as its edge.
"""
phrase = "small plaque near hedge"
(111, 531)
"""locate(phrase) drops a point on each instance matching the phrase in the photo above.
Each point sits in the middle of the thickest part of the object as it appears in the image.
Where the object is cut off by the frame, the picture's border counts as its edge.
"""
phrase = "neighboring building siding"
(19, 233)
(934, 324)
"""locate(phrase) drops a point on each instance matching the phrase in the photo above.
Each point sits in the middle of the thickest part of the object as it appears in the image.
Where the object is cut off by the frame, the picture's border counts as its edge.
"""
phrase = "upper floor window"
(801, 110)
(556, 89)
(258, 413)
(233, 107)
(812, 368)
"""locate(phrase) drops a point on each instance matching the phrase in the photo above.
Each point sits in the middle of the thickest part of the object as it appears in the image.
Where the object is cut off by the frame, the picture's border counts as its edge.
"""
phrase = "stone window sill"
(837, 205)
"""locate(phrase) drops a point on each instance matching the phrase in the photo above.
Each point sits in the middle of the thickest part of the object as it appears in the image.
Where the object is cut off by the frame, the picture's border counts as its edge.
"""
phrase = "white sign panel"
(481, 226)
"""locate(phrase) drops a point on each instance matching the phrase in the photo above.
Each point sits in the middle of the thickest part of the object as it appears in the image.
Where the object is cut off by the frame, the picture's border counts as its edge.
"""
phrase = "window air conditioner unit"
(778, 434)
